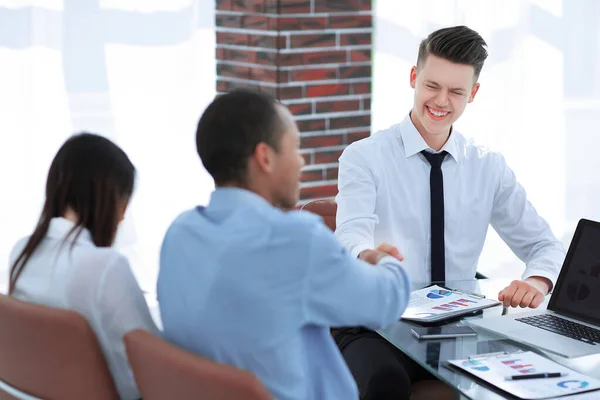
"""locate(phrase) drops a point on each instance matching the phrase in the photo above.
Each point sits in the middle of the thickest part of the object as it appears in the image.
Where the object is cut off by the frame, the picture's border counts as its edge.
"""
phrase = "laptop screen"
(577, 292)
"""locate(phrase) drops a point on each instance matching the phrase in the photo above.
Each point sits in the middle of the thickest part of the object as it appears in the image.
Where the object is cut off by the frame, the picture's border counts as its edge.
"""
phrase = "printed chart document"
(496, 369)
(435, 303)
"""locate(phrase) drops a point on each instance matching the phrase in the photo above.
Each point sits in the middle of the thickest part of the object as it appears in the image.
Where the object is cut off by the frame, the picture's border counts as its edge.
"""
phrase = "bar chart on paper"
(451, 306)
(520, 366)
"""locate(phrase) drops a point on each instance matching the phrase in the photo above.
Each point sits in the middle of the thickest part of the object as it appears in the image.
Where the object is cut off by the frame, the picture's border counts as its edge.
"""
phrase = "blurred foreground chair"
(165, 371)
(50, 353)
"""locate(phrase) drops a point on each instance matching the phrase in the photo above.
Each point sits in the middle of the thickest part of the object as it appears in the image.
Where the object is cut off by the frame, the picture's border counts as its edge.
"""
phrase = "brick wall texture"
(314, 56)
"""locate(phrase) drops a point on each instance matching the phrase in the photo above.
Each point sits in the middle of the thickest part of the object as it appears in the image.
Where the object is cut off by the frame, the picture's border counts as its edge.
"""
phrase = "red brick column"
(313, 55)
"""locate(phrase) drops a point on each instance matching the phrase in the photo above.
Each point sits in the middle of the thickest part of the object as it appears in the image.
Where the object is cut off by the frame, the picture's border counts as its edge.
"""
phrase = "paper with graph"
(435, 303)
(496, 369)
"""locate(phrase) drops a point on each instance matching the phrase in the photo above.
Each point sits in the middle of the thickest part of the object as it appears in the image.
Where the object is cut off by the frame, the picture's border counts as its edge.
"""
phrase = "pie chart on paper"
(573, 384)
(438, 293)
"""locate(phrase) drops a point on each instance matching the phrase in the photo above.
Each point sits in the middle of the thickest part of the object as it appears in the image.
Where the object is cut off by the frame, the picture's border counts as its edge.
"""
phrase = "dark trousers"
(380, 370)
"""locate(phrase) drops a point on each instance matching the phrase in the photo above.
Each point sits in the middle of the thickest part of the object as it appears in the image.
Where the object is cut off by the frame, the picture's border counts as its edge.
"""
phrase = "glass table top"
(433, 354)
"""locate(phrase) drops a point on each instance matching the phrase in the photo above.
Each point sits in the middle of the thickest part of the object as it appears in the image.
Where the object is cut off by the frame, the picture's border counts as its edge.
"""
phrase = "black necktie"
(436, 185)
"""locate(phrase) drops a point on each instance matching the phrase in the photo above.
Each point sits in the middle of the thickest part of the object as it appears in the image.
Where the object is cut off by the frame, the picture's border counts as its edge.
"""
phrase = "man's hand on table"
(527, 293)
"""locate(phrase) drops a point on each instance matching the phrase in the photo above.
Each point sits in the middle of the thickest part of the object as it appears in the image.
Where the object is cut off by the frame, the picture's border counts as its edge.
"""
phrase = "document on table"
(435, 303)
(496, 369)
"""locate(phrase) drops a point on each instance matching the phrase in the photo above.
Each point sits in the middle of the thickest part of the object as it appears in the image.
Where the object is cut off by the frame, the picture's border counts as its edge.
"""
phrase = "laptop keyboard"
(563, 327)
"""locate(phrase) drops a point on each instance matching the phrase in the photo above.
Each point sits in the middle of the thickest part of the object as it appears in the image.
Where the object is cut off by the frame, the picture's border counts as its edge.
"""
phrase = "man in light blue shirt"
(244, 283)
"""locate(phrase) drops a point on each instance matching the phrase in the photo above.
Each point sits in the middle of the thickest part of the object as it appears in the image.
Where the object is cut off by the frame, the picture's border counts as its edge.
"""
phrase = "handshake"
(383, 250)
(529, 292)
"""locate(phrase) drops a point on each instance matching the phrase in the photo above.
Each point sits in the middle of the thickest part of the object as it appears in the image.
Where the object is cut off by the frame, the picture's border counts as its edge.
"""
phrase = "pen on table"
(476, 295)
(535, 376)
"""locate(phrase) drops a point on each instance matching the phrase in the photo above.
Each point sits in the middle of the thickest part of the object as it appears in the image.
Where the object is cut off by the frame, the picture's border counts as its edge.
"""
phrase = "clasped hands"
(529, 292)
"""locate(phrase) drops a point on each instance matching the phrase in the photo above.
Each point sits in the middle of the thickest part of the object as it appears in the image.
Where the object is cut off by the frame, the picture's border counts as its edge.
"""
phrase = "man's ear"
(263, 154)
(413, 77)
(474, 92)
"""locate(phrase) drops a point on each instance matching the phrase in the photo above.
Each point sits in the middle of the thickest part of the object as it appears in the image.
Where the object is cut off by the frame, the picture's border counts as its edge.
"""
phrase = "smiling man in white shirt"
(424, 188)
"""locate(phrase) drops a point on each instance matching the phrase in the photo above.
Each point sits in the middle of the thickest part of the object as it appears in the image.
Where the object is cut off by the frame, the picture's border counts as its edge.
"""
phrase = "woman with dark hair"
(68, 262)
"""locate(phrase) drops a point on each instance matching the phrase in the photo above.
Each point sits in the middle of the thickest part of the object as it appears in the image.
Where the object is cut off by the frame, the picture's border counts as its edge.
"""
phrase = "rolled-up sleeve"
(356, 200)
(527, 234)
(343, 291)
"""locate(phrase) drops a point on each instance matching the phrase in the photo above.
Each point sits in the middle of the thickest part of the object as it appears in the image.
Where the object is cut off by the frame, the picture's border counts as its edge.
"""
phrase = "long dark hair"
(92, 176)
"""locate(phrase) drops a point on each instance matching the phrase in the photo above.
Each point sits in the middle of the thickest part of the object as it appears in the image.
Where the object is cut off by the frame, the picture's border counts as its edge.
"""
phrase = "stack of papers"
(435, 303)
(498, 369)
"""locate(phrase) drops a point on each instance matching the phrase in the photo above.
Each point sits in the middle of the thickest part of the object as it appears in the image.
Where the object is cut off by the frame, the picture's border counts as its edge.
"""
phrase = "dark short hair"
(458, 44)
(230, 129)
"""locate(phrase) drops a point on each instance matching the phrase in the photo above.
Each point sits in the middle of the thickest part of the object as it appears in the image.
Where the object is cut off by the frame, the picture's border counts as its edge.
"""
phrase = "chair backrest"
(51, 353)
(165, 371)
(325, 208)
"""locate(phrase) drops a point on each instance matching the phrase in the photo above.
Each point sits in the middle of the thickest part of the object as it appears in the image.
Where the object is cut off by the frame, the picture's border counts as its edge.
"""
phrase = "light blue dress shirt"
(246, 284)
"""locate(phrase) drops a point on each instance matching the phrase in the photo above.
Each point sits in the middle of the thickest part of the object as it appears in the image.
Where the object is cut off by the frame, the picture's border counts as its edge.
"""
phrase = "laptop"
(570, 326)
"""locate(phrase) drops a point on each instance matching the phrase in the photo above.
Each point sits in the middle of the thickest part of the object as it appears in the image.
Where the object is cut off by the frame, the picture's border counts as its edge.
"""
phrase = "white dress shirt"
(384, 196)
(95, 281)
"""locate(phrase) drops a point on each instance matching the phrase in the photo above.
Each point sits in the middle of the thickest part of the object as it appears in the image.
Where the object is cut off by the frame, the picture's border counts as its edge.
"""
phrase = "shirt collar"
(414, 142)
(230, 197)
(59, 228)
